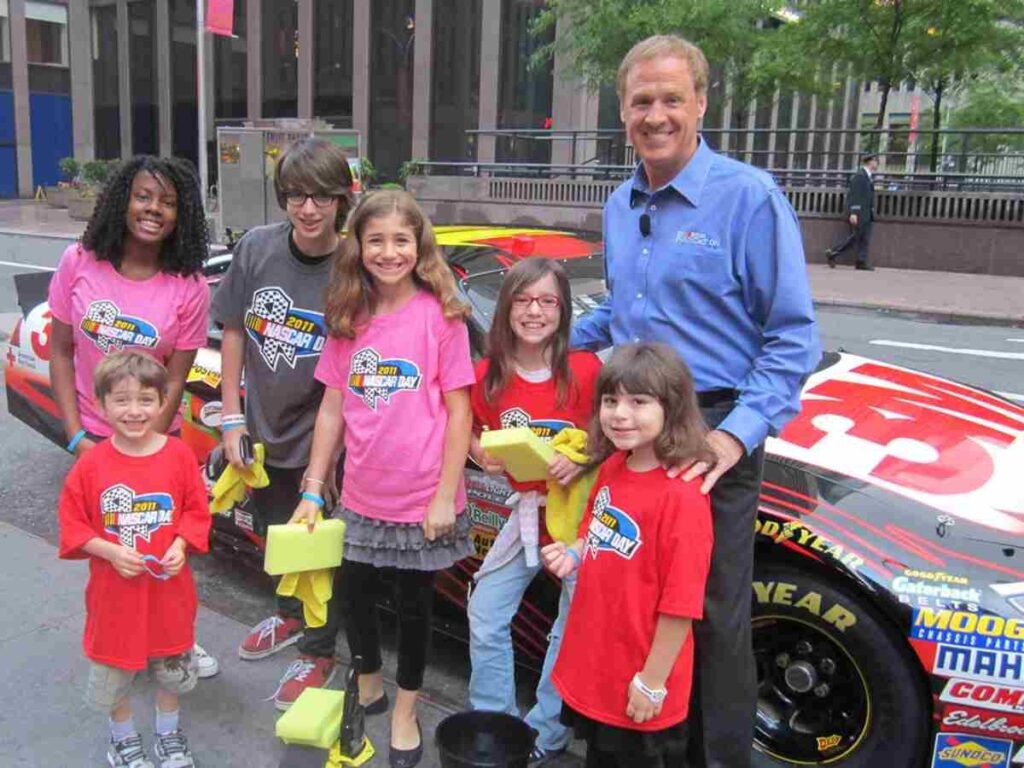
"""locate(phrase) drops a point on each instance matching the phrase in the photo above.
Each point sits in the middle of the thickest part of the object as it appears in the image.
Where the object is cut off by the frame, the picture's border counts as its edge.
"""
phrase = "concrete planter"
(81, 208)
(57, 197)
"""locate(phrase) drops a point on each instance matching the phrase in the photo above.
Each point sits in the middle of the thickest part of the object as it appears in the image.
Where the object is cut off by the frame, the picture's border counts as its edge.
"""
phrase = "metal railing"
(963, 158)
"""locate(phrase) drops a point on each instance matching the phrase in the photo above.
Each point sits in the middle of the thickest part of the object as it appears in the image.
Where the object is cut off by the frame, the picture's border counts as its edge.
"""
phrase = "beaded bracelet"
(314, 497)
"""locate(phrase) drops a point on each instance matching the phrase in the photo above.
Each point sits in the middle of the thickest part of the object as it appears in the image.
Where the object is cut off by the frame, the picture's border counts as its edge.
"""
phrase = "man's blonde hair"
(659, 46)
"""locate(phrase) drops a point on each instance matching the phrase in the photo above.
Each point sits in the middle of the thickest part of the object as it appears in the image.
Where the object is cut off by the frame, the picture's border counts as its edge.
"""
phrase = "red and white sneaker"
(270, 636)
(305, 672)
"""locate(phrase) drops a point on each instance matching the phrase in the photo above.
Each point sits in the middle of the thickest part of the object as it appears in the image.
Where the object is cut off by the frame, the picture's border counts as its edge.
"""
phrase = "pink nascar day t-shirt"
(108, 312)
(393, 377)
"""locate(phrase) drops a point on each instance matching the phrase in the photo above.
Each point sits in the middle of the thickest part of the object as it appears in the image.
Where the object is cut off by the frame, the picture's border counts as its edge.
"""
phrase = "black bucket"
(479, 739)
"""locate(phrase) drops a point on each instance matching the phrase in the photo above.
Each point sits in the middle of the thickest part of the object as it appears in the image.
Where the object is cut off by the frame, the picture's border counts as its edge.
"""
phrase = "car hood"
(954, 453)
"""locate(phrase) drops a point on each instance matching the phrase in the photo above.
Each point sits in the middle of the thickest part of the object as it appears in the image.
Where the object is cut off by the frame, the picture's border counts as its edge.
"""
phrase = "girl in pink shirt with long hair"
(397, 372)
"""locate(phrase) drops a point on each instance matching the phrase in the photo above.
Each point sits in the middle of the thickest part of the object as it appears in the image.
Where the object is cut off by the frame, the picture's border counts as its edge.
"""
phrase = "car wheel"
(836, 686)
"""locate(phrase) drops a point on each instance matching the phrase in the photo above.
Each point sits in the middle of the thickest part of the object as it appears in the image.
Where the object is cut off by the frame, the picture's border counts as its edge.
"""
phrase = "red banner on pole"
(220, 15)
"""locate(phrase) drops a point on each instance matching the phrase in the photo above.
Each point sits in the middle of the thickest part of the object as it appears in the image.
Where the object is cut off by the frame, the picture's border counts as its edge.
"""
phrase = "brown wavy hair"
(351, 297)
(315, 167)
(501, 340)
(658, 371)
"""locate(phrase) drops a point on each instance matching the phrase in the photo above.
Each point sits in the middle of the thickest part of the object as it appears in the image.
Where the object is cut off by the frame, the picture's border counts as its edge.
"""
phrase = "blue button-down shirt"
(721, 278)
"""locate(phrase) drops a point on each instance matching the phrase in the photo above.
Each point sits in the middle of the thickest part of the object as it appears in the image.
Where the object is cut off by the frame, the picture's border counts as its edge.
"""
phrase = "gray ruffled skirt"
(403, 545)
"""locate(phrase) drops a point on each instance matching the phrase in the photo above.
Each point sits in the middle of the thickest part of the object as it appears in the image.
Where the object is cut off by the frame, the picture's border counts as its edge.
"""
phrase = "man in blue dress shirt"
(704, 253)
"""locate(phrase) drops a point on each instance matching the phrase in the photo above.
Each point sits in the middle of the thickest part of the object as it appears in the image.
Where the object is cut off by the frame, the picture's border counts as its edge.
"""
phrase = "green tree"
(735, 35)
(936, 43)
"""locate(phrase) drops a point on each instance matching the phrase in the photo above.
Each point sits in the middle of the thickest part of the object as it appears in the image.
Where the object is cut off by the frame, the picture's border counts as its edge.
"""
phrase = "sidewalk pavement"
(946, 296)
(46, 722)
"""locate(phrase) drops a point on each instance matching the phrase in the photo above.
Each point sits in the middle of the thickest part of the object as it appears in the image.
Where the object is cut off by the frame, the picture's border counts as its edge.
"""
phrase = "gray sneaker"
(172, 750)
(127, 753)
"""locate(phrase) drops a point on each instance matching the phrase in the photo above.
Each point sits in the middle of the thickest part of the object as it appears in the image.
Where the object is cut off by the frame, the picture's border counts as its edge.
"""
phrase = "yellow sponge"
(314, 720)
(526, 456)
(292, 547)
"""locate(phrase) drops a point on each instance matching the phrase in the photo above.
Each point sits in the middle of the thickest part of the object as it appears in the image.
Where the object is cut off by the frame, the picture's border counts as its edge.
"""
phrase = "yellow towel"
(230, 488)
(314, 589)
(566, 504)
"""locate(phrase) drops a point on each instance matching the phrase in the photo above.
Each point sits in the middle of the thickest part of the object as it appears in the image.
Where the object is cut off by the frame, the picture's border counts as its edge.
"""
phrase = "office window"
(229, 71)
(332, 61)
(280, 62)
(46, 33)
(392, 33)
(142, 66)
(184, 109)
(525, 94)
(106, 109)
(455, 87)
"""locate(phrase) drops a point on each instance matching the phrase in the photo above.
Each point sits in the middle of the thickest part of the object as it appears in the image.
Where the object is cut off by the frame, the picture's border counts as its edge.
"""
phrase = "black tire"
(836, 685)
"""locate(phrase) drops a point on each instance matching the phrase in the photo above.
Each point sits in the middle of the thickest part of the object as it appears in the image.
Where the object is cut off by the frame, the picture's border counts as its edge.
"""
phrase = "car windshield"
(586, 279)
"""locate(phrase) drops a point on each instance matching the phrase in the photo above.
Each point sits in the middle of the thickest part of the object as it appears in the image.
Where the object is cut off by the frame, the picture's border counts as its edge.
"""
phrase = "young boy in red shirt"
(134, 505)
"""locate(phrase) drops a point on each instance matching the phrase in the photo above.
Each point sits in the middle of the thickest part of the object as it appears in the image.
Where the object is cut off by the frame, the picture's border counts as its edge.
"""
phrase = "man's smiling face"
(661, 110)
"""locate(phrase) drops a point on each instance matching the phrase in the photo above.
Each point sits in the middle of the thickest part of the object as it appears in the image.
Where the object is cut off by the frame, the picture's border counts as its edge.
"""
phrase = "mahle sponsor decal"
(967, 628)
(1000, 698)
(978, 664)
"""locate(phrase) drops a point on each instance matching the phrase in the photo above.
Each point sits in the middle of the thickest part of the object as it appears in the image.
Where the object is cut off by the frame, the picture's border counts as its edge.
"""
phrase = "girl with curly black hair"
(133, 282)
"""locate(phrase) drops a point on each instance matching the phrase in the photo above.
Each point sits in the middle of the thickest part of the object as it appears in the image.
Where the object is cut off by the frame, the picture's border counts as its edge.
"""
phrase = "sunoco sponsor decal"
(960, 750)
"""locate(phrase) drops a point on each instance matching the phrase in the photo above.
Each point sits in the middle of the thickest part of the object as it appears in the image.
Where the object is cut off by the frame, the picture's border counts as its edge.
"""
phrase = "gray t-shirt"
(278, 302)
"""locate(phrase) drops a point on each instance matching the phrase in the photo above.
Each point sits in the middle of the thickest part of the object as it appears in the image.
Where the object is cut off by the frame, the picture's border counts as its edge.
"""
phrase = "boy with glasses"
(270, 305)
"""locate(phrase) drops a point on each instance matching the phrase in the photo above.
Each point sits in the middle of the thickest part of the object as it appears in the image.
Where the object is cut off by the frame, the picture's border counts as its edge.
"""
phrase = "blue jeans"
(494, 602)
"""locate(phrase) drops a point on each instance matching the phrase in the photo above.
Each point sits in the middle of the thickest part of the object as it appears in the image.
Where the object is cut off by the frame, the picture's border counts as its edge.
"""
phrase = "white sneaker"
(127, 753)
(205, 663)
(172, 750)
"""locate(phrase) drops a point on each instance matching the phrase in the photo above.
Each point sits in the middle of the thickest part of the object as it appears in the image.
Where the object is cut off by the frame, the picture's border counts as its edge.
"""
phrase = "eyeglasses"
(298, 199)
(547, 301)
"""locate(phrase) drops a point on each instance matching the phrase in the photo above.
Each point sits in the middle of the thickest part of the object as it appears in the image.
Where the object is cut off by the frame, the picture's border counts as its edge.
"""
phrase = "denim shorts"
(109, 685)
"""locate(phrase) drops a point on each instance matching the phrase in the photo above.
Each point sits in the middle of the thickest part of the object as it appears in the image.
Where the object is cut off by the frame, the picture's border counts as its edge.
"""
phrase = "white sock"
(119, 731)
(166, 722)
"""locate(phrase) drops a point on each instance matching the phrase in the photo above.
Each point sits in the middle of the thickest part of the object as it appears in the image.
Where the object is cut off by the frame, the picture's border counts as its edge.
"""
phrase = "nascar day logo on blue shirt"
(131, 517)
(545, 429)
(959, 750)
(611, 529)
(111, 331)
(281, 330)
(375, 380)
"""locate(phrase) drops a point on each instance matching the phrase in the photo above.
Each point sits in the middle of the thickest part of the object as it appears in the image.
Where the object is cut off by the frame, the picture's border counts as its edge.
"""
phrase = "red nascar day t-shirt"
(143, 502)
(527, 404)
(647, 551)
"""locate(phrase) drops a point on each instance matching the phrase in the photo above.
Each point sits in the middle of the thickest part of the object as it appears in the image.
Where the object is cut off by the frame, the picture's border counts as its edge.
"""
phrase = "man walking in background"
(860, 210)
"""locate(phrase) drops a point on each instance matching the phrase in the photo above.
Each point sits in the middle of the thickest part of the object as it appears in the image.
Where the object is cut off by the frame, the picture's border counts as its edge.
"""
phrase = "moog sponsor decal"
(968, 629)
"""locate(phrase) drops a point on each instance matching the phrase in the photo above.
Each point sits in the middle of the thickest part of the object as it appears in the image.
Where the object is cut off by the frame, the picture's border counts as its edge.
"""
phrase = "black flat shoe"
(378, 707)
(865, 268)
(830, 257)
(406, 758)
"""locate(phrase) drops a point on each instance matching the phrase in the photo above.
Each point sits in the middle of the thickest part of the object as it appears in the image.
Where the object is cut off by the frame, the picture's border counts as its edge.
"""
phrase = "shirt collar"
(689, 182)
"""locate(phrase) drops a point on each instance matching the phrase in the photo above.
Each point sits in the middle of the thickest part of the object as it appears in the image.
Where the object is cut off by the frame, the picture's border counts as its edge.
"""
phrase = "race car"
(889, 564)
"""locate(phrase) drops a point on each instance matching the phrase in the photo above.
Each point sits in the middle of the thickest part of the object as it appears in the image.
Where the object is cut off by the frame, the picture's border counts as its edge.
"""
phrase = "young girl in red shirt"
(626, 662)
(530, 378)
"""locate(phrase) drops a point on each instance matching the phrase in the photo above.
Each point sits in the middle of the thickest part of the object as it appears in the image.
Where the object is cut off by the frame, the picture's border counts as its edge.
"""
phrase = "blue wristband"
(75, 440)
(229, 427)
(314, 497)
(572, 553)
